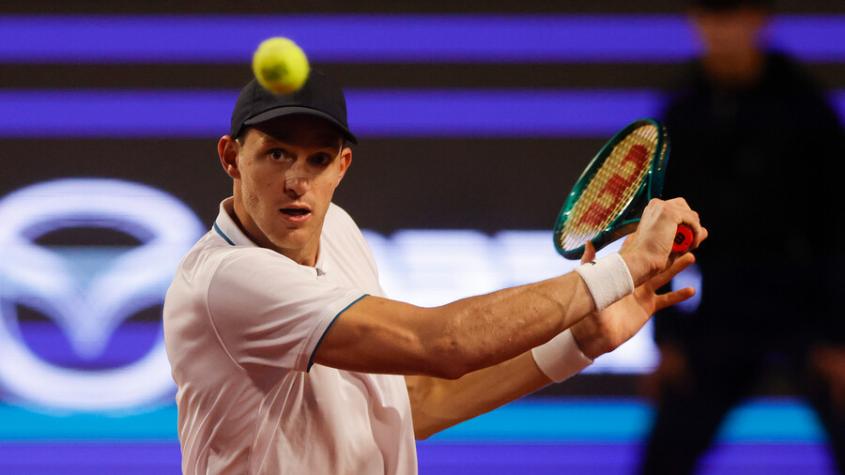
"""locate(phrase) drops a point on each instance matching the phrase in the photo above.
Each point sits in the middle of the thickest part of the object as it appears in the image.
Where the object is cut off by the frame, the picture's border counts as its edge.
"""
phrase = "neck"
(303, 257)
(740, 68)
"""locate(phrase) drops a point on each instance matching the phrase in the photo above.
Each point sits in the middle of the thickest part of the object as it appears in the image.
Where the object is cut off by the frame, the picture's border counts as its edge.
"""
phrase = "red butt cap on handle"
(683, 239)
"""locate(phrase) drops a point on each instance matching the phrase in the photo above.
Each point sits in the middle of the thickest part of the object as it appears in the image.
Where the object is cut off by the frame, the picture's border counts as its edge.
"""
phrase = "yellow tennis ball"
(280, 65)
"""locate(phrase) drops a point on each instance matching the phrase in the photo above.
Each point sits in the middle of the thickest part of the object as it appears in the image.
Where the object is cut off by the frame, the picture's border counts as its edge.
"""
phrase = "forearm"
(384, 336)
(486, 330)
(437, 404)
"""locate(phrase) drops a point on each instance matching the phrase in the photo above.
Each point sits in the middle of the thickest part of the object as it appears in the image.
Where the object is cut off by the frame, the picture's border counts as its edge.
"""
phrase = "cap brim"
(293, 110)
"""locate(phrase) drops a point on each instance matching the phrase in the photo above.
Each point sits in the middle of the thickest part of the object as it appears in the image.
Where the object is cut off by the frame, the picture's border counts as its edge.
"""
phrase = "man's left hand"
(604, 331)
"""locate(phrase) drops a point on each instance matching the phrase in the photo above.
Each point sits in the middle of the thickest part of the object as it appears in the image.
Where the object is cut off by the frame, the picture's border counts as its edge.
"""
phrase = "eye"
(320, 159)
(277, 154)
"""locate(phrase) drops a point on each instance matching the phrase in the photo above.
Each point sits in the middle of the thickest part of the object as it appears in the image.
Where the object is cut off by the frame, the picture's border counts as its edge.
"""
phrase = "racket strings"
(612, 187)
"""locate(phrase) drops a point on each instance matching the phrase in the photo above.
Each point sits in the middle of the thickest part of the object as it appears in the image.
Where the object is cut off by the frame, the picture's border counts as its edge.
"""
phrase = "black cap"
(732, 4)
(318, 97)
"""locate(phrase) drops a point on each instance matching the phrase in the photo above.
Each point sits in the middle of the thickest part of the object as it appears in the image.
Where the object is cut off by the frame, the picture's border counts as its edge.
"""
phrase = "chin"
(293, 239)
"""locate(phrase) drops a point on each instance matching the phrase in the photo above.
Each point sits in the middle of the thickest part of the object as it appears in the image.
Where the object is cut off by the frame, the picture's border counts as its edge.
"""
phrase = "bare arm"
(384, 336)
(437, 404)
(377, 335)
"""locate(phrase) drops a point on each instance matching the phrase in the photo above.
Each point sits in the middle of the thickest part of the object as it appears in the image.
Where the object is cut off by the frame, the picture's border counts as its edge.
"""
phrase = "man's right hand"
(649, 250)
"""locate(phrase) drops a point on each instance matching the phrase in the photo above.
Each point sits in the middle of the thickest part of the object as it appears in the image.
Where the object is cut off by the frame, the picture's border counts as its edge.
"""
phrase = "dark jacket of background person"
(758, 160)
(768, 268)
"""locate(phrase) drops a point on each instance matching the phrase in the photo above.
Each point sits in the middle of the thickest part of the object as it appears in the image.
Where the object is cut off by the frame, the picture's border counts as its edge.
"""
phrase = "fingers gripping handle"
(683, 239)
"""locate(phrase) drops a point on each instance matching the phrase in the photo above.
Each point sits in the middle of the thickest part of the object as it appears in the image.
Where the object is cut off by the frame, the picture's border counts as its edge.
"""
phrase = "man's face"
(730, 33)
(287, 172)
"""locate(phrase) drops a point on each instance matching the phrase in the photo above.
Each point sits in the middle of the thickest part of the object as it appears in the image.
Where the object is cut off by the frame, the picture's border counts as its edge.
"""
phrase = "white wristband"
(608, 280)
(560, 357)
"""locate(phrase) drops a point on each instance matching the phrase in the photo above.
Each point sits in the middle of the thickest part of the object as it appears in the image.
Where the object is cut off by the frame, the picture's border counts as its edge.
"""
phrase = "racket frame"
(650, 187)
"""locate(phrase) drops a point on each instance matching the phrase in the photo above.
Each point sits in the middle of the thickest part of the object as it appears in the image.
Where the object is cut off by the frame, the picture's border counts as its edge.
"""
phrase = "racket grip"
(683, 239)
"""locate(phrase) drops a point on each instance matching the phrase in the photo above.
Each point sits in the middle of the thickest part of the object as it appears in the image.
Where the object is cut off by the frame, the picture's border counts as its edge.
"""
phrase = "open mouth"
(295, 211)
(295, 214)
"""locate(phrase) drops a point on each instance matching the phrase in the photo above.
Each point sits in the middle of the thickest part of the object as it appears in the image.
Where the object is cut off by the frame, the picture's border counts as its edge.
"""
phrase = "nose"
(298, 179)
(297, 184)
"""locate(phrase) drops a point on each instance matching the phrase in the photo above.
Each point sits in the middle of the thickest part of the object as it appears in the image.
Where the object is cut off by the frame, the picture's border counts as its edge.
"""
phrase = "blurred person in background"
(748, 126)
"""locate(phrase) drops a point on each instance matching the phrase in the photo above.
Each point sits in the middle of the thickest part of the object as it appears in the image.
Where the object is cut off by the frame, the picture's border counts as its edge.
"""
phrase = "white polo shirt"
(242, 324)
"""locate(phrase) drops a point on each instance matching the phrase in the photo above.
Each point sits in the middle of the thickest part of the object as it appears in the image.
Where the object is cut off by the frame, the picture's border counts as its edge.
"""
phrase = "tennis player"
(288, 358)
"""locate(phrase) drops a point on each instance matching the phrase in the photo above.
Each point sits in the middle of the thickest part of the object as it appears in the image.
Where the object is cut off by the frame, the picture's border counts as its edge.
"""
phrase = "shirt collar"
(225, 227)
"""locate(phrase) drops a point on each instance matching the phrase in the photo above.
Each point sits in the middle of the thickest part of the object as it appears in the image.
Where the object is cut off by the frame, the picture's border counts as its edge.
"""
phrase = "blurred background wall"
(475, 118)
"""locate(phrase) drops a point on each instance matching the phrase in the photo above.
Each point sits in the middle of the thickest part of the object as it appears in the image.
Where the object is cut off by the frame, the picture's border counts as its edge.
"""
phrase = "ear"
(227, 150)
(345, 163)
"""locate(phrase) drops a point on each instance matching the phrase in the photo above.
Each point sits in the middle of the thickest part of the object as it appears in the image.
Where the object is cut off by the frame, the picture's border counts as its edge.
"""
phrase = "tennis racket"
(608, 199)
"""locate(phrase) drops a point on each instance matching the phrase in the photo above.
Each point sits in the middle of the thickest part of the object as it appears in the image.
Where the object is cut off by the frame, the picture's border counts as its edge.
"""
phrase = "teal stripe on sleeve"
(314, 353)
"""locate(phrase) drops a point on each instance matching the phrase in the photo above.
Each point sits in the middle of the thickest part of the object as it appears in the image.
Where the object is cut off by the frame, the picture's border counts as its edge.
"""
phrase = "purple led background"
(373, 113)
(440, 459)
(387, 38)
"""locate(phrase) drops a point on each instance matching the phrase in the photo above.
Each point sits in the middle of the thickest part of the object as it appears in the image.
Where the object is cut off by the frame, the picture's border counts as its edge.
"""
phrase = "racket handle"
(683, 239)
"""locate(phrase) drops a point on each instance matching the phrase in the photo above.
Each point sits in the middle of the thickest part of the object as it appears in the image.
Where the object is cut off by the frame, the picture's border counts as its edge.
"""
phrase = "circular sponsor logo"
(87, 292)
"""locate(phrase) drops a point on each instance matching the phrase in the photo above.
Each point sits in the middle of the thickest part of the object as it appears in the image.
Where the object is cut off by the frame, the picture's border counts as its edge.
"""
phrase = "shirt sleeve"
(268, 312)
